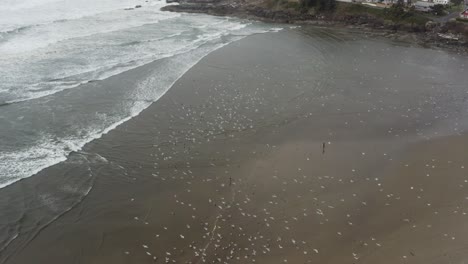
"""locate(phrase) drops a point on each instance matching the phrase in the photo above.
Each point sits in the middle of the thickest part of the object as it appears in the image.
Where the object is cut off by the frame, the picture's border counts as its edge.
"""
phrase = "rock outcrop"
(238, 8)
(259, 10)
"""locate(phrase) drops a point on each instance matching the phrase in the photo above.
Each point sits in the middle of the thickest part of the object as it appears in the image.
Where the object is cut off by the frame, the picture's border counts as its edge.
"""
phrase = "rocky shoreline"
(431, 34)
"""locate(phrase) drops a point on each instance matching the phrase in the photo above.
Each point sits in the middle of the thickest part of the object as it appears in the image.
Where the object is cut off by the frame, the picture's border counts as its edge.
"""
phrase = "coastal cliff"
(414, 27)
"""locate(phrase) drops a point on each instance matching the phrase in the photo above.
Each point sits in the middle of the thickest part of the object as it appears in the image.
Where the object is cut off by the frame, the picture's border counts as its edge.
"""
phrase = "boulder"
(430, 25)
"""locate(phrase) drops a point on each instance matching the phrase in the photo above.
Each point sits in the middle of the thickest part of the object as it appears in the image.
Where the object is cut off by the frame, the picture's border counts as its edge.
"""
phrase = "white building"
(441, 2)
(423, 6)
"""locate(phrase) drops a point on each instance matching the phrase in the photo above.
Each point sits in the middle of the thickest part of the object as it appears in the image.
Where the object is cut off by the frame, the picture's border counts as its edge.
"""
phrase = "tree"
(308, 3)
(456, 2)
(437, 9)
(326, 5)
(319, 5)
(397, 10)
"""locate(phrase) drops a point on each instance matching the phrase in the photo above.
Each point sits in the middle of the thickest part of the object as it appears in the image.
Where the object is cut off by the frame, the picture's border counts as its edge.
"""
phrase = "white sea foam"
(12, 5)
(48, 152)
(16, 14)
(99, 56)
(42, 35)
(87, 47)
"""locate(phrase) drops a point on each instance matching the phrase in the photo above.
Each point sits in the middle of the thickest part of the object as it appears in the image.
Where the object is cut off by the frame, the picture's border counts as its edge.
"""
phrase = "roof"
(423, 4)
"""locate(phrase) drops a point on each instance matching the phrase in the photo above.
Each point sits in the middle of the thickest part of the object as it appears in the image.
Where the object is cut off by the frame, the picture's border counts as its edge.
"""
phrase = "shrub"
(318, 5)
(438, 9)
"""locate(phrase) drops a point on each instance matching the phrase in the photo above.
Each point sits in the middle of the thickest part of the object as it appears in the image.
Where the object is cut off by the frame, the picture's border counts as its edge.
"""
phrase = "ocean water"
(53, 53)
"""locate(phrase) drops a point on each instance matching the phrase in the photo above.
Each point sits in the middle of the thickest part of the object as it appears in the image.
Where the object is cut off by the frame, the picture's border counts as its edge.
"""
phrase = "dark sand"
(229, 166)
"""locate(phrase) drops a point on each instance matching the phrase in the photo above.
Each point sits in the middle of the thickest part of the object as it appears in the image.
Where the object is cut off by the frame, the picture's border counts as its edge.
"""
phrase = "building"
(423, 6)
(464, 14)
(441, 2)
(387, 2)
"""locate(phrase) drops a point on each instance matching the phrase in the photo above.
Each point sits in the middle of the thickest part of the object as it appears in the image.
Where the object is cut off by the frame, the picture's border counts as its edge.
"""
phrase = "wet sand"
(271, 151)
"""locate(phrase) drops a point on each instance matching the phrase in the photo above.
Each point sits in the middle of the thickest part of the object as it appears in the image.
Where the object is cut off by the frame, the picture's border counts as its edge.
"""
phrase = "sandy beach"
(309, 145)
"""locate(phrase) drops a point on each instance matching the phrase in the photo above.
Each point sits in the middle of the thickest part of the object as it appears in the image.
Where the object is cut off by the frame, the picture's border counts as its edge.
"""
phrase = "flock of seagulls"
(247, 184)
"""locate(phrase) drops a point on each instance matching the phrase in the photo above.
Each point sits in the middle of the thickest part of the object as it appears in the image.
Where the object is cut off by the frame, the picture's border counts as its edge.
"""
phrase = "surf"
(78, 71)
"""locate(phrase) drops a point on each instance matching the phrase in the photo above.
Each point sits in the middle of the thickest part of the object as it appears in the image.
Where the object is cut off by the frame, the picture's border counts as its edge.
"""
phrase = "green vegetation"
(456, 2)
(397, 13)
(438, 10)
(281, 4)
(359, 9)
(291, 5)
(303, 5)
(318, 5)
(454, 7)
(459, 19)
